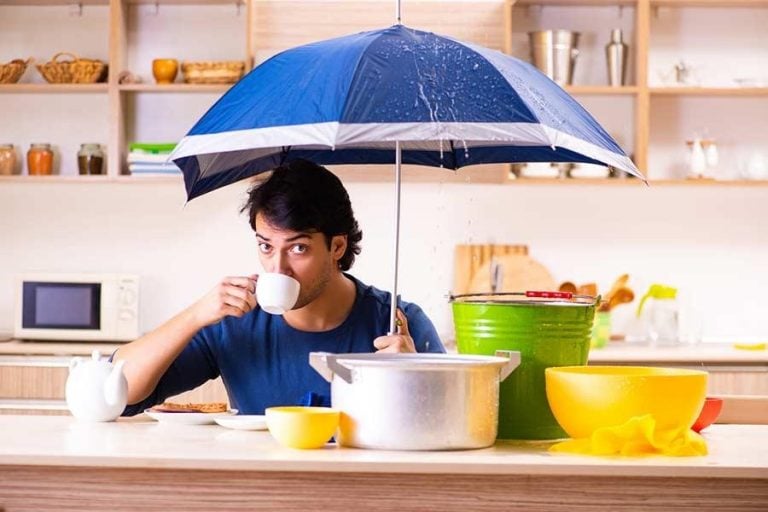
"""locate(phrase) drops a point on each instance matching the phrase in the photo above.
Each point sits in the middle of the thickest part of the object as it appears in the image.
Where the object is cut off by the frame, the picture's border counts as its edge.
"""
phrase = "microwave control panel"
(127, 322)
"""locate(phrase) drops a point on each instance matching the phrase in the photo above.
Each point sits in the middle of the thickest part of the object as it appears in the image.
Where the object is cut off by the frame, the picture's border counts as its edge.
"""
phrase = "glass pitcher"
(658, 315)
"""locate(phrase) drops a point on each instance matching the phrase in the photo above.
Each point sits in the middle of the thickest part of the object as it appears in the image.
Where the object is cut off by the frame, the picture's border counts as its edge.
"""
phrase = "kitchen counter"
(614, 352)
(15, 347)
(57, 463)
(686, 354)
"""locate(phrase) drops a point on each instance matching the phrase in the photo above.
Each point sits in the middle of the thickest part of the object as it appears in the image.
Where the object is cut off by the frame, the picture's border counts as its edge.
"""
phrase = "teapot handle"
(74, 362)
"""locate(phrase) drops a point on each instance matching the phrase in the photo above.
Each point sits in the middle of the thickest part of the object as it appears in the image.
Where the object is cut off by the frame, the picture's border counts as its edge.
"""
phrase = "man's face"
(304, 256)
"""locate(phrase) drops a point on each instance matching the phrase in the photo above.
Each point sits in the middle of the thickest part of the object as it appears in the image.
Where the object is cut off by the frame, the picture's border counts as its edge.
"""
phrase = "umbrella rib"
(284, 154)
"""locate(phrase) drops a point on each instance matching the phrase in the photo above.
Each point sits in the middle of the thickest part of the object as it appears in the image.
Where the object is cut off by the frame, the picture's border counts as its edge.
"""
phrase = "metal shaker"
(616, 55)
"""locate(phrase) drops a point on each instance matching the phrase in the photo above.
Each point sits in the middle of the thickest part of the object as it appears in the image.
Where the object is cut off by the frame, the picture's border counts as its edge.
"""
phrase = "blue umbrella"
(396, 95)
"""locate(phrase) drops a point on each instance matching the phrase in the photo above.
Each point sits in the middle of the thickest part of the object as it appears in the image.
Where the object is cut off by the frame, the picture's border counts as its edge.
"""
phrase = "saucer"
(243, 422)
(188, 418)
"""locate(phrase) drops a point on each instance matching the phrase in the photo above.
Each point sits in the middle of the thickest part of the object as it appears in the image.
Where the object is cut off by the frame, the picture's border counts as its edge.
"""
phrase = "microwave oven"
(77, 307)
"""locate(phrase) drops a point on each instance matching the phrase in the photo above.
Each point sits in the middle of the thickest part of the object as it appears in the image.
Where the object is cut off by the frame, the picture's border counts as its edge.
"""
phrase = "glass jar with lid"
(7, 159)
(90, 159)
(40, 160)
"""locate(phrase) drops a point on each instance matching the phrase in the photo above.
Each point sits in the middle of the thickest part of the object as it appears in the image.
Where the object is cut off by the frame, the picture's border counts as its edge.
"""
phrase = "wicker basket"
(11, 72)
(212, 72)
(75, 71)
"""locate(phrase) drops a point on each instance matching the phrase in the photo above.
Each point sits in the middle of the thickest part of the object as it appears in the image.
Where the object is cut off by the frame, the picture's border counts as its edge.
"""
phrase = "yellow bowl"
(585, 398)
(302, 427)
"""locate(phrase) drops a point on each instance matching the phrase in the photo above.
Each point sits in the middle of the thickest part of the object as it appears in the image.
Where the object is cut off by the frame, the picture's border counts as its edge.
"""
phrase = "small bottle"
(7, 159)
(698, 162)
(90, 159)
(40, 160)
(616, 55)
(712, 157)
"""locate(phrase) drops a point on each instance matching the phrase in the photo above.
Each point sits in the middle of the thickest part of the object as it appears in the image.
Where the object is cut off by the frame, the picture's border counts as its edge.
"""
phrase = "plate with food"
(243, 422)
(189, 413)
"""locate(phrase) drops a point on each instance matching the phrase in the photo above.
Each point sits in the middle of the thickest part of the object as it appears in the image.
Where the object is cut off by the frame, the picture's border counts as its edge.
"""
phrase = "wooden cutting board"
(473, 268)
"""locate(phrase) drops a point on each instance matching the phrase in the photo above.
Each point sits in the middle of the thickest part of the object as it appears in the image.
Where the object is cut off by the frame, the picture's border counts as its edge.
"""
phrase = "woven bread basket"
(75, 71)
(212, 72)
(11, 72)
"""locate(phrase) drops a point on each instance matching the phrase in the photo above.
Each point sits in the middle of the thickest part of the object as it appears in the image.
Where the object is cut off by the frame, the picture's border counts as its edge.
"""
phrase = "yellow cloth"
(638, 436)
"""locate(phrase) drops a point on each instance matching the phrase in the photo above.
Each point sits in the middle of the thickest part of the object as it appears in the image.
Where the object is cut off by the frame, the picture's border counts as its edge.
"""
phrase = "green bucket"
(547, 328)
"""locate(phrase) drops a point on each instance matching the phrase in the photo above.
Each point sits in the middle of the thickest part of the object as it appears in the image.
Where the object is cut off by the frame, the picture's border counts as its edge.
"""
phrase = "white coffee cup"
(276, 293)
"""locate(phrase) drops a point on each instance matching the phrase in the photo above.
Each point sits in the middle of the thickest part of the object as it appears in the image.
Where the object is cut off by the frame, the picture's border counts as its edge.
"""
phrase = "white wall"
(712, 242)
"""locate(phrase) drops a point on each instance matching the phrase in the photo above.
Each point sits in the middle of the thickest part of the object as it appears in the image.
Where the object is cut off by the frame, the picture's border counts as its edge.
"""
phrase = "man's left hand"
(396, 343)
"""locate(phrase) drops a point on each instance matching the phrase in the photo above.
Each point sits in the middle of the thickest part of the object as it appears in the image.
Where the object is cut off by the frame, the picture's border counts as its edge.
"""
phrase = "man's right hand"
(233, 296)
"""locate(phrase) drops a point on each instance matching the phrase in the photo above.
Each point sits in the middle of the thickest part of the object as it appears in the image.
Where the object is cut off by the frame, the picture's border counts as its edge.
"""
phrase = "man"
(305, 228)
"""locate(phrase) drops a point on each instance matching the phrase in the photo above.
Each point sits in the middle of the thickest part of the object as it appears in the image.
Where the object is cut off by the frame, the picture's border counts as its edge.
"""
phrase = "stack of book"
(151, 159)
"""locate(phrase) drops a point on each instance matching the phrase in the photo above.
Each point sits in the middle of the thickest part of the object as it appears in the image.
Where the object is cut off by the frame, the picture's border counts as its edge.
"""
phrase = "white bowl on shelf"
(580, 171)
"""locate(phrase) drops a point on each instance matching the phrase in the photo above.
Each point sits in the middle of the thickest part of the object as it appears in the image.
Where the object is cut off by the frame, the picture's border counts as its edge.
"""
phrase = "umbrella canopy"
(396, 95)
(349, 100)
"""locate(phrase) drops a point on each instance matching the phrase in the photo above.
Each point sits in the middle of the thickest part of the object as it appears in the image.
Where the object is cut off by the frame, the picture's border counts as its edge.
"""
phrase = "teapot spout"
(115, 387)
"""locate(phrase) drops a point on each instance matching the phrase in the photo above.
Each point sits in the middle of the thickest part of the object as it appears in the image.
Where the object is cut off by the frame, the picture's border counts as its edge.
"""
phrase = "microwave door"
(60, 310)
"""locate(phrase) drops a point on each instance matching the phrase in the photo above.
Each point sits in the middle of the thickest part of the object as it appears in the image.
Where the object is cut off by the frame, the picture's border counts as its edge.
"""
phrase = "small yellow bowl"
(585, 398)
(302, 427)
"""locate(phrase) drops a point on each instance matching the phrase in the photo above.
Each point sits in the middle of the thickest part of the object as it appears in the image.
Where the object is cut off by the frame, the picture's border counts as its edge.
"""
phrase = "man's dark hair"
(304, 196)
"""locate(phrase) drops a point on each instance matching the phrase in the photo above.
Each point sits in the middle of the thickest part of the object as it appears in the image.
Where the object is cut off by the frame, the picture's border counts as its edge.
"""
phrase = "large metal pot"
(415, 401)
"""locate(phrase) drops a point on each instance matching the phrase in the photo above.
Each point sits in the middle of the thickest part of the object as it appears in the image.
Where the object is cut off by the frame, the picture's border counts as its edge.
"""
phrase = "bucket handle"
(512, 363)
(326, 364)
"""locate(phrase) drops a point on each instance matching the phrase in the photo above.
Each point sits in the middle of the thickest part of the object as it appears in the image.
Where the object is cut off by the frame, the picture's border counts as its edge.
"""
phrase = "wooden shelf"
(187, 2)
(171, 178)
(56, 178)
(54, 2)
(709, 91)
(54, 88)
(605, 90)
(177, 178)
(637, 182)
(175, 88)
(577, 3)
(709, 3)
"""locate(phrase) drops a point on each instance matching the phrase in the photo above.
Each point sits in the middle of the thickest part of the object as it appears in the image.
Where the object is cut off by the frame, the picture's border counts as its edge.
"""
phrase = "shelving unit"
(269, 26)
(642, 90)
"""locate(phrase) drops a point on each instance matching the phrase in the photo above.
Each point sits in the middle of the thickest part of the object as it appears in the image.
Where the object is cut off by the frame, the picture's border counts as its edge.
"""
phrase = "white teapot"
(96, 390)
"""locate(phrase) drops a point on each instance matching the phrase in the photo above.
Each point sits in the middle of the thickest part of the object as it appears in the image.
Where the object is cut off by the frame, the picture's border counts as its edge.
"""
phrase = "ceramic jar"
(7, 159)
(40, 160)
(90, 159)
(165, 70)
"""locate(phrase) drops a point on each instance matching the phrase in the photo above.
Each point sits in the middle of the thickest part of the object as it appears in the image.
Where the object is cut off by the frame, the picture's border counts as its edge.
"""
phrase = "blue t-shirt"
(264, 362)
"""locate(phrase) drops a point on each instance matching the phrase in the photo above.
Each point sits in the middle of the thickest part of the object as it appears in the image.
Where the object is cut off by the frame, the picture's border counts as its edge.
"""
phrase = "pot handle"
(326, 365)
(509, 366)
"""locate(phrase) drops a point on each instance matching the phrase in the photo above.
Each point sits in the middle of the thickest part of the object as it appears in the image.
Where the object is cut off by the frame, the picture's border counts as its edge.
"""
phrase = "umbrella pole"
(397, 12)
(393, 307)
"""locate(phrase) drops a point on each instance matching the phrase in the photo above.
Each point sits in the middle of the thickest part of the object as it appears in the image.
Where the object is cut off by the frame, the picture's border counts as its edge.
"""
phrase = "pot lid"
(530, 298)
(421, 361)
(345, 365)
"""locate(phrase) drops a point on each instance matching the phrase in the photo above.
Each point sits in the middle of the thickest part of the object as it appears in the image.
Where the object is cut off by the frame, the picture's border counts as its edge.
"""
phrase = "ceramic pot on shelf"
(165, 70)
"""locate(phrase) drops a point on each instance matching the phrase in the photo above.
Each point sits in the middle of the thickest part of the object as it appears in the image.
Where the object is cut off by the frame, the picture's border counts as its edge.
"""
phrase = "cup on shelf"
(165, 70)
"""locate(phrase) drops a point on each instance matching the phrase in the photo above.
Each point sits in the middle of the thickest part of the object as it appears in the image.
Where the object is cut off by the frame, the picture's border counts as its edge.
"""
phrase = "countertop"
(622, 352)
(736, 451)
(619, 352)
(54, 463)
